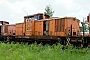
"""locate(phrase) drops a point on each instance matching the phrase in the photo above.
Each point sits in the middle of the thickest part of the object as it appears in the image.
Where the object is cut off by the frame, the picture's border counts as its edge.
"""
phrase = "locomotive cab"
(2, 27)
(30, 23)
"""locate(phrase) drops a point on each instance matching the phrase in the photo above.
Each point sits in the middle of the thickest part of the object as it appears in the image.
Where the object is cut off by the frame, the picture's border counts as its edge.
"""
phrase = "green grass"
(39, 52)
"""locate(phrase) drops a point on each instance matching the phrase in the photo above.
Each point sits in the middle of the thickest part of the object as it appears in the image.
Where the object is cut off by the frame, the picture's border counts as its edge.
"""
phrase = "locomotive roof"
(35, 15)
(4, 22)
(20, 23)
(11, 25)
(70, 18)
(65, 18)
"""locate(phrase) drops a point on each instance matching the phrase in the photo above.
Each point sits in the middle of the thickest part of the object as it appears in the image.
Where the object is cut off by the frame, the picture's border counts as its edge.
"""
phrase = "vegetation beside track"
(11, 51)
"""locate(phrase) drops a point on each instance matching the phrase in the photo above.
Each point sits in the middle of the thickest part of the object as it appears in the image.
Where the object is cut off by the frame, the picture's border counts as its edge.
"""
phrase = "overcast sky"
(14, 10)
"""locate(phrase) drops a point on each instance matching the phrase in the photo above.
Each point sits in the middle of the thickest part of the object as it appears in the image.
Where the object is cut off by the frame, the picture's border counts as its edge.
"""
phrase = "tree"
(84, 26)
(48, 11)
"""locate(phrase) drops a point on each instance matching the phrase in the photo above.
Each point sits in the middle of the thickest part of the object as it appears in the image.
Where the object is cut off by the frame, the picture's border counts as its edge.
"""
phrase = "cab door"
(45, 27)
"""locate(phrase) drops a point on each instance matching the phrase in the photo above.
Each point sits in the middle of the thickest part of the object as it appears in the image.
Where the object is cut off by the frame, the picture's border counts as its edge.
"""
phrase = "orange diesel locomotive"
(43, 25)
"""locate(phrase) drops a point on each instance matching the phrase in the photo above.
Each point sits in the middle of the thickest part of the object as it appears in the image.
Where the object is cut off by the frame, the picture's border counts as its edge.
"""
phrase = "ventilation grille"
(59, 25)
